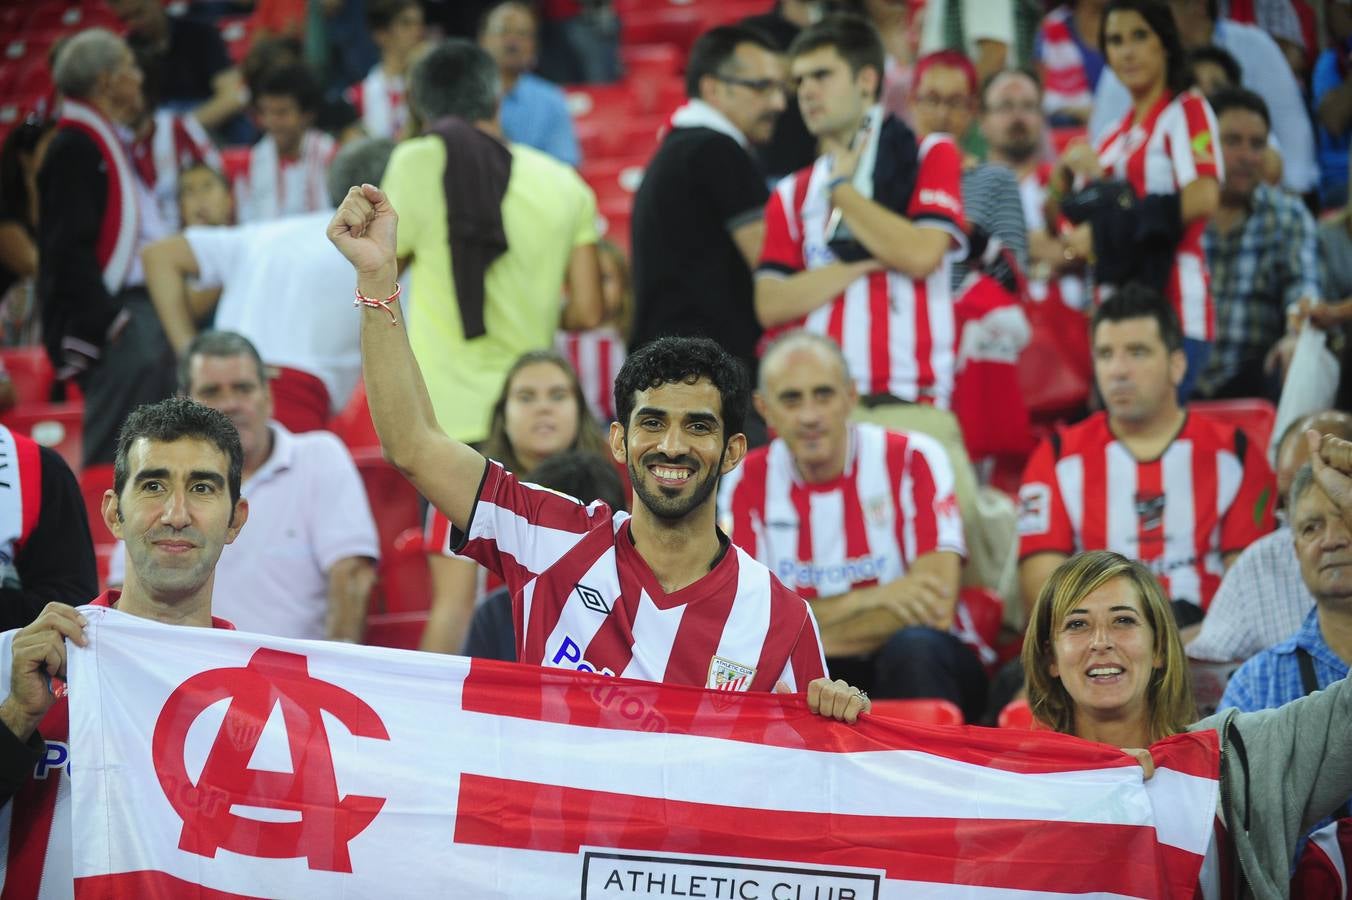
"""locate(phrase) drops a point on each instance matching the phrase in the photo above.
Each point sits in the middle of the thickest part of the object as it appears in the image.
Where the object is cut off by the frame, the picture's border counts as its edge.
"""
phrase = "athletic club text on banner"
(264, 767)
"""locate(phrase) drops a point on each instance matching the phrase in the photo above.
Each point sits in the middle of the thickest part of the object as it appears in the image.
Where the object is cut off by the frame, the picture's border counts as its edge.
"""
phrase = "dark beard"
(673, 509)
(1019, 152)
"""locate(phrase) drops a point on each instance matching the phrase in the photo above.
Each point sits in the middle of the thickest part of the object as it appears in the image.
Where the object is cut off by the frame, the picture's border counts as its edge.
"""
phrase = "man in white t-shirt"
(307, 564)
(278, 280)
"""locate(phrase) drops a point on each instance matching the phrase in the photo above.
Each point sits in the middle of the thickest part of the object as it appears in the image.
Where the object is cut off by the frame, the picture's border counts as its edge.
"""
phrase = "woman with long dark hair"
(1143, 195)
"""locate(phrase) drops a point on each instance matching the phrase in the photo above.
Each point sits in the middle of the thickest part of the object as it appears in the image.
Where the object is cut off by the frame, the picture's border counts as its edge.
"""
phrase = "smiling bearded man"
(661, 595)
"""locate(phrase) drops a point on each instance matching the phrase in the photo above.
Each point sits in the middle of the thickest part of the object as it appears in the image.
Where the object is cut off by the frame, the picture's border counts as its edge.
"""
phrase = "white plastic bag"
(1311, 383)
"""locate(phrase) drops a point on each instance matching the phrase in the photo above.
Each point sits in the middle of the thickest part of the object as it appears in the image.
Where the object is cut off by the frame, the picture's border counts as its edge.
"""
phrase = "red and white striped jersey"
(897, 333)
(893, 503)
(382, 102)
(174, 142)
(1174, 145)
(35, 824)
(596, 357)
(583, 598)
(273, 187)
(1065, 83)
(1211, 492)
(1321, 872)
(438, 536)
(1072, 290)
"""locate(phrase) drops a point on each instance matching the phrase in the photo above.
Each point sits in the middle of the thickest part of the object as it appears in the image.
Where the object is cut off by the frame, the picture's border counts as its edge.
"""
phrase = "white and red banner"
(265, 767)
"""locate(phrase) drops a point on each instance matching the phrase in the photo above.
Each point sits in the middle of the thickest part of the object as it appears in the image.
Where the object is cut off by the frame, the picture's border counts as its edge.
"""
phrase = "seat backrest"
(94, 480)
(927, 711)
(353, 423)
(1255, 417)
(405, 582)
(1017, 714)
(395, 503)
(56, 425)
(30, 371)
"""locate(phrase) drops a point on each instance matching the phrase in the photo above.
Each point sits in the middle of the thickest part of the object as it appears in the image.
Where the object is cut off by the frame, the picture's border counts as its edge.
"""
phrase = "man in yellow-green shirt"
(548, 218)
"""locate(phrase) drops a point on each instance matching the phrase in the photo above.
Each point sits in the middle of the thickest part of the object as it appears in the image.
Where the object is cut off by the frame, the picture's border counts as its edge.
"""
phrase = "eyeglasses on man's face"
(953, 102)
(759, 85)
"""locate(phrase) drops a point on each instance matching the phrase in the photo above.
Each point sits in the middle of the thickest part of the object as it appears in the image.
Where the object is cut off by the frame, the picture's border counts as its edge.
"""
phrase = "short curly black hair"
(670, 360)
(171, 420)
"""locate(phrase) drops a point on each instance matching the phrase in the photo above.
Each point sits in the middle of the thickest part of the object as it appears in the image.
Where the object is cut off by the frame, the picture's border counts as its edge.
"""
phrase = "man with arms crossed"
(661, 596)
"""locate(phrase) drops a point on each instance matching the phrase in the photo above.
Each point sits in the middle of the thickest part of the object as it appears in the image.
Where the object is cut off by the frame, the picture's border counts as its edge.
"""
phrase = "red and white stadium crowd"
(1006, 281)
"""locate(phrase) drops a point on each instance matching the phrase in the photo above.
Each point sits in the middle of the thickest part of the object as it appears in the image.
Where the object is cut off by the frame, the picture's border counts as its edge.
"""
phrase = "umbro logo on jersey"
(593, 600)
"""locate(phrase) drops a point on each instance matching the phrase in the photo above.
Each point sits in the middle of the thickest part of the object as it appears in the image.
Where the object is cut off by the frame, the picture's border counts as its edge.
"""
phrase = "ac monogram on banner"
(323, 824)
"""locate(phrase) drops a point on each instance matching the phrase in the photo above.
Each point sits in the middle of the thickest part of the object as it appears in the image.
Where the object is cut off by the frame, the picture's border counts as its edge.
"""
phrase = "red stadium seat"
(66, 17)
(30, 370)
(708, 12)
(651, 62)
(55, 425)
(613, 179)
(1017, 714)
(103, 555)
(394, 501)
(405, 583)
(30, 44)
(237, 36)
(655, 23)
(353, 422)
(94, 480)
(401, 630)
(13, 18)
(603, 101)
(1254, 417)
(929, 712)
(632, 136)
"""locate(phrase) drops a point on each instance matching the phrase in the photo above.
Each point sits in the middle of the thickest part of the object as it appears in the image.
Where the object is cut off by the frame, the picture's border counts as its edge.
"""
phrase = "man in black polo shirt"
(698, 217)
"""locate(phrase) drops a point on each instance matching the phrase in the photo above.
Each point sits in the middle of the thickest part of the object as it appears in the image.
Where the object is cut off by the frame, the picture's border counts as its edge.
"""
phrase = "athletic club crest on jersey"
(1150, 510)
(878, 510)
(726, 675)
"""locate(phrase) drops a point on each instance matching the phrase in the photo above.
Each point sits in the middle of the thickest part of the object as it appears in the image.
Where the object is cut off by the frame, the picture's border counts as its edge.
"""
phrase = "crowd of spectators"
(878, 208)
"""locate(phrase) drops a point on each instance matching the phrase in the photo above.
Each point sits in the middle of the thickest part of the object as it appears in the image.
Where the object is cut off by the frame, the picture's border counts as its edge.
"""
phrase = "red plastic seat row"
(611, 178)
(31, 372)
(405, 584)
(625, 99)
(94, 481)
(55, 425)
(927, 711)
(394, 501)
(655, 22)
(1254, 417)
(610, 139)
(643, 62)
